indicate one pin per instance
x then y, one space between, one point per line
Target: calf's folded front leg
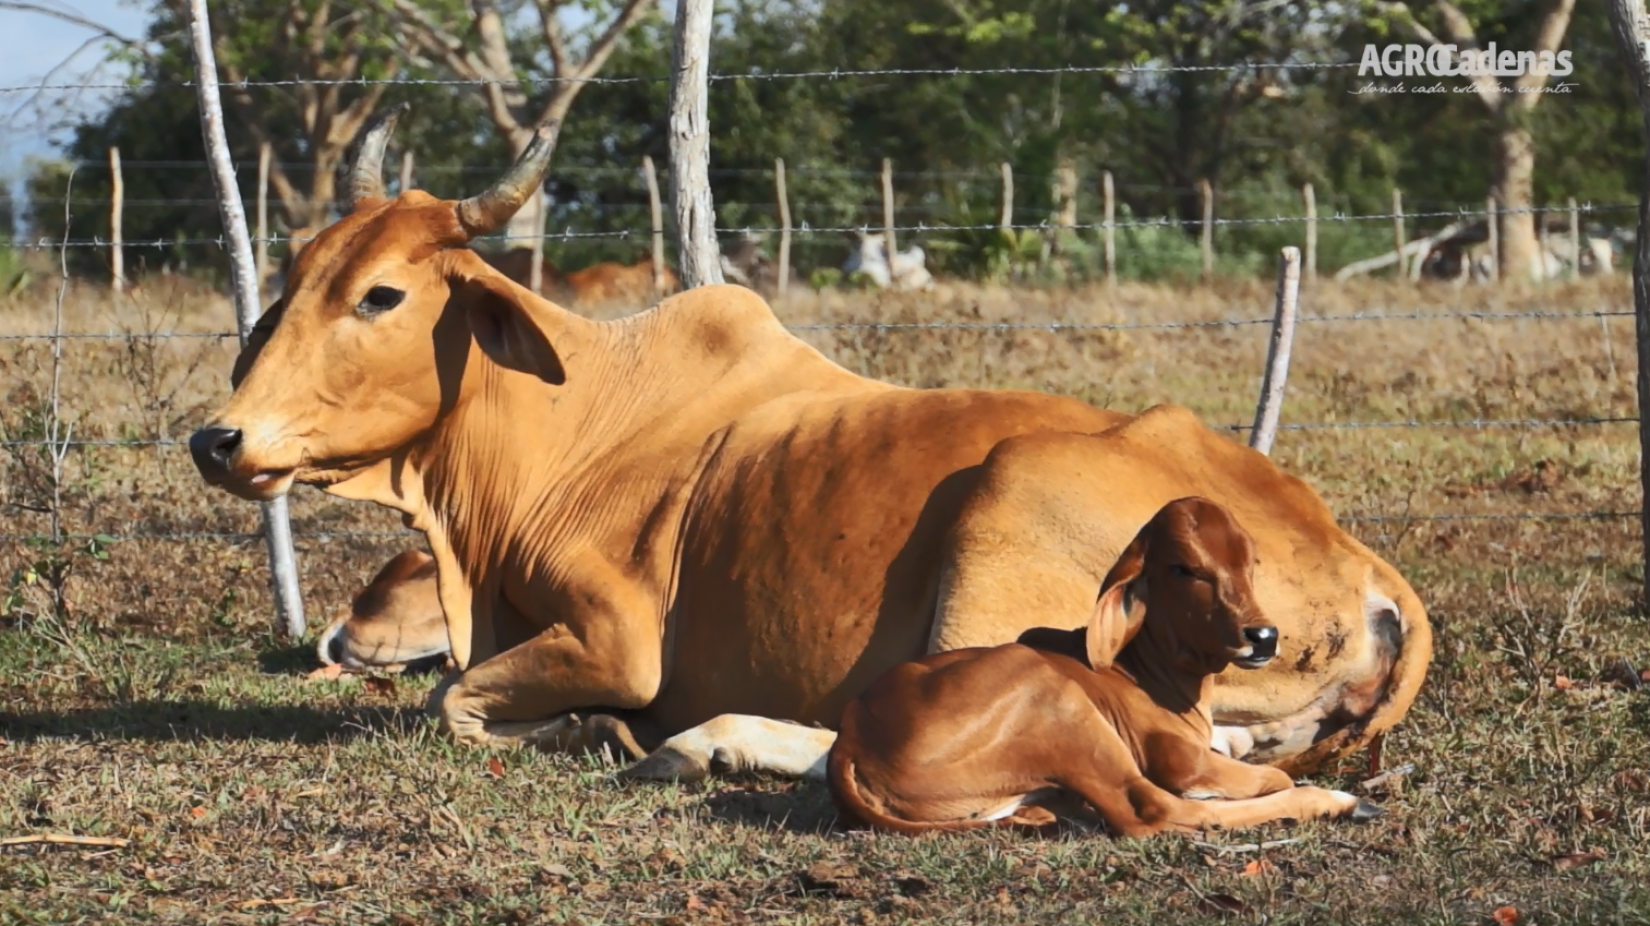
1191 769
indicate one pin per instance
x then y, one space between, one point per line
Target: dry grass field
155 705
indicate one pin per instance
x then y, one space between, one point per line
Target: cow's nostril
1263 640
214 448
335 649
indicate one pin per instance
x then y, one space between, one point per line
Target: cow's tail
1409 670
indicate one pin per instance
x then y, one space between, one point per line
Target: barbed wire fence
1460 213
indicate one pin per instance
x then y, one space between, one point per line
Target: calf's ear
506 331
1118 613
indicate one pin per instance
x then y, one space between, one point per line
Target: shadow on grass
300 659
191 721
804 808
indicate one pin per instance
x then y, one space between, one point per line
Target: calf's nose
214 448
1263 641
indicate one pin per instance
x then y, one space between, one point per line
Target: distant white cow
870 258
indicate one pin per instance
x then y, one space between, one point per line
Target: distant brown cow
606 283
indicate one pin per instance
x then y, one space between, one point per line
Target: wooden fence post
406 171
1207 245
656 215
1309 260
888 242
535 261
260 246
1401 269
1065 196
1270 407
699 257
1109 222
1492 225
283 563
1575 239
1006 222
780 193
117 201
1632 29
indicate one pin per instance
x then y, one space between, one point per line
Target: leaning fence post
260 247
283 563
697 251
784 198
1632 28
1309 260
406 171
1270 406
656 218
117 202
1207 243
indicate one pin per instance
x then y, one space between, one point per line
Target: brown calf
977 736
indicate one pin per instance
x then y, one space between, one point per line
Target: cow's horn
366 175
488 211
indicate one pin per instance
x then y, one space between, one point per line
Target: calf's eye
380 299
1182 571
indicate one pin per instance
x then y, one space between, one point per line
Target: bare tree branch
1554 25
1460 32
602 48
68 17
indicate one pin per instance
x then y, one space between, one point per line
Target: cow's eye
1184 571
380 299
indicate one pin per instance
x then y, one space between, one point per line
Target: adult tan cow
685 517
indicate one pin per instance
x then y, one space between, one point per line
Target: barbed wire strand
923 227
974 326
832 74
186 536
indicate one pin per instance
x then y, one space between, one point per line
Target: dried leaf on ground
1258 867
379 685
1221 903
1579 859
495 767
1505 916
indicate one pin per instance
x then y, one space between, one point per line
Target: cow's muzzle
214 450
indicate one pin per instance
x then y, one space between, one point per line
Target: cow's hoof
1365 812
667 764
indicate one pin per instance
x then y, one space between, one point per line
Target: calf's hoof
1364 812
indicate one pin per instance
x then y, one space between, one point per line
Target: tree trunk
1520 255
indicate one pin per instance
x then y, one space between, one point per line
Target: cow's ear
506 331
1121 608
255 341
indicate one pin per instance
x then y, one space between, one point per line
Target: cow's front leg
565 689
733 743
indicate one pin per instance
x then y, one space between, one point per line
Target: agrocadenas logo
1437 61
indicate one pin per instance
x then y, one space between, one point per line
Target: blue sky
31 45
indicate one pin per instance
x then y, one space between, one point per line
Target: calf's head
396 620
1187 582
367 346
